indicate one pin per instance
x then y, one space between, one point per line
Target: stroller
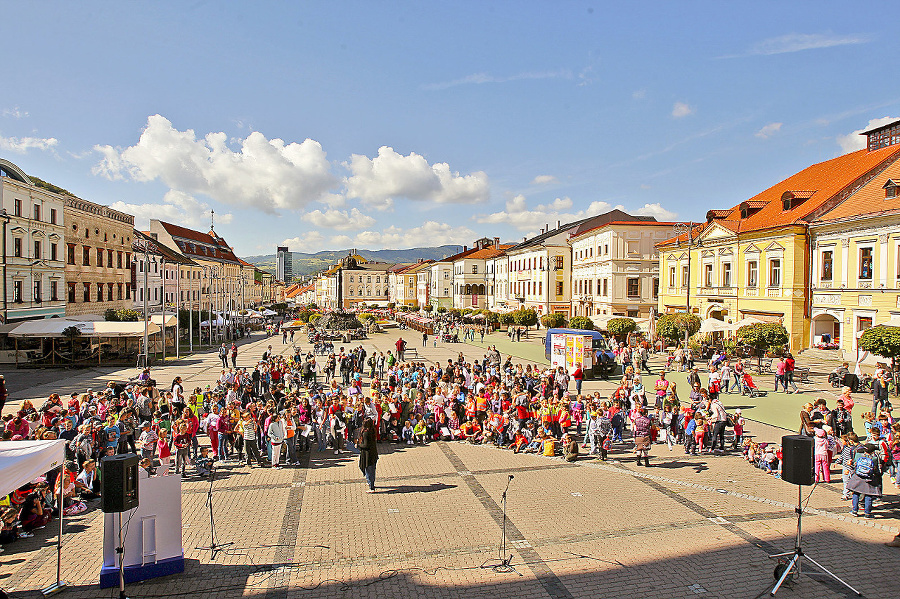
749 387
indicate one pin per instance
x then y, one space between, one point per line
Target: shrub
582 323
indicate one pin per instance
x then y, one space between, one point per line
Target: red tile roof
213 247
823 185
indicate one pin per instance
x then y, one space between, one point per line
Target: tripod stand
794 564
505 558
214 548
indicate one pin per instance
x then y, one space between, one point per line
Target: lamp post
145 245
6 219
681 229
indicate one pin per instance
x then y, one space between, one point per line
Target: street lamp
144 244
682 229
6 219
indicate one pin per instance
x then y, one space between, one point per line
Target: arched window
468 290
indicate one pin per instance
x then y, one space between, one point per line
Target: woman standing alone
368 453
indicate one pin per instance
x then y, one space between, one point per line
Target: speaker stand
213 548
120 550
794 564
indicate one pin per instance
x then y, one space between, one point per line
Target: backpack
865 466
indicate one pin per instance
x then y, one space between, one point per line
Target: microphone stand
505 558
214 548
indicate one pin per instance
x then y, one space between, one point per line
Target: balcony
751 292
717 290
773 292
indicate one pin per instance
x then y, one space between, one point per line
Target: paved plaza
690 526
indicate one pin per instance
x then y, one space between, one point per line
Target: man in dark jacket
880 393
368 452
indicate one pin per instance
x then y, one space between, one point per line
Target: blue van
604 360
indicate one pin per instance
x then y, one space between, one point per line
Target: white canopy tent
23 461
157 319
747 320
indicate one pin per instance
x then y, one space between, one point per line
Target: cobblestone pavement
689 526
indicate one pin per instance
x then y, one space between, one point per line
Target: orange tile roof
824 183
869 200
489 252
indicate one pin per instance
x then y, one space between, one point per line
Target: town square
449 300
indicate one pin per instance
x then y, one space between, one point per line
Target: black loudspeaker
797 464
119 483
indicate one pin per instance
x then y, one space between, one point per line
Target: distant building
285 269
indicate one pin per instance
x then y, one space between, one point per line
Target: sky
354 124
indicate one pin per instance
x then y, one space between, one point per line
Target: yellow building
855 275
754 259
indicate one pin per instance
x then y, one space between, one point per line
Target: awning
23 461
748 320
54 327
157 319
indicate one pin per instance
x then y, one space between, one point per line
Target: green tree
491 317
553 321
882 341
72 333
455 312
525 317
506 318
391 305
428 308
441 309
620 328
672 327
763 336
582 323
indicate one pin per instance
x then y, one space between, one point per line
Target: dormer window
891 189
792 199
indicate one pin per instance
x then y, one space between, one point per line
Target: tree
506 318
122 315
428 308
525 317
455 312
553 321
72 333
763 336
391 305
882 341
672 327
490 317
441 309
582 323
620 328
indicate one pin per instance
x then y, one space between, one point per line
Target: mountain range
307 264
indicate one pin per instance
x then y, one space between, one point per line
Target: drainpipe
5 218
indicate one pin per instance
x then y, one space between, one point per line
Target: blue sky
398 124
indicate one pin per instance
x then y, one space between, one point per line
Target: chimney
557 224
465 248
546 227
497 242
524 239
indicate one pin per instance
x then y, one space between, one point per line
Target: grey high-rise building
285 269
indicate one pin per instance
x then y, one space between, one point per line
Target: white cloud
264 174
656 210
518 215
176 207
680 109
308 242
798 42
20 145
854 141
340 219
544 179
430 233
769 130
391 175
480 78
15 113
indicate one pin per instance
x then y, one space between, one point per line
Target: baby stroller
750 388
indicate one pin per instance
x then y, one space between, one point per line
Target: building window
109 292
36 291
54 291
128 292
119 260
70 253
54 251
827 265
671 276
109 258
775 273
99 292
559 288
655 288
865 263
632 313
685 276
71 292
605 287
37 249
37 212
726 274
99 257
752 273
707 275
634 287
557 262
474 269
53 216
86 292
17 292
17 247
85 256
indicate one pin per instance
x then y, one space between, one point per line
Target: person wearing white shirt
277 435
